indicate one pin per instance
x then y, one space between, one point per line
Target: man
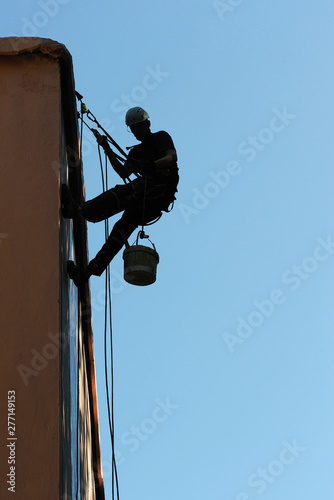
154 162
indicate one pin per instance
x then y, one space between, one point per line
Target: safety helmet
135 115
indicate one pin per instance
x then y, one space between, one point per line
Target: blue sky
223 367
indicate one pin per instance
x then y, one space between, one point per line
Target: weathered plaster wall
45 331
29 271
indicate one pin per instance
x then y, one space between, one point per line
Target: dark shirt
152 148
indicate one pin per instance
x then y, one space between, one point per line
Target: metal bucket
140 265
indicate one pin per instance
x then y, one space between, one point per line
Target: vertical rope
109 394
78 395
110 397
78 357
144 206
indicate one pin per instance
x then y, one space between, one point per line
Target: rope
78 403
78 366
91 117
110 395
142 232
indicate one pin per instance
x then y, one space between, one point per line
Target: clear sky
224 367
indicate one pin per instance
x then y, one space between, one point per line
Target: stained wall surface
38 458
29 271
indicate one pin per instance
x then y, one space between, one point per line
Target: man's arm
122 170
169 159
150 167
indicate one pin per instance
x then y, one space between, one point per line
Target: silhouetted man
154 162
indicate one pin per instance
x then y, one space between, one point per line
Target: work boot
68 206
79 276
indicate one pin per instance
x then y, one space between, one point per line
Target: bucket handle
141 234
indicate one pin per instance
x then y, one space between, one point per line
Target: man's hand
101 140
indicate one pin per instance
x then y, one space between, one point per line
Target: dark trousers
130 198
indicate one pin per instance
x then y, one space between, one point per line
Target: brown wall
29 272
34 297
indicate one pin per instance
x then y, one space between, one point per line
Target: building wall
41 327
30 100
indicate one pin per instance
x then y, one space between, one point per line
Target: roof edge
16 45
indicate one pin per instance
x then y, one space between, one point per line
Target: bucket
140 265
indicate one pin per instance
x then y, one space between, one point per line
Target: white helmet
135 115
